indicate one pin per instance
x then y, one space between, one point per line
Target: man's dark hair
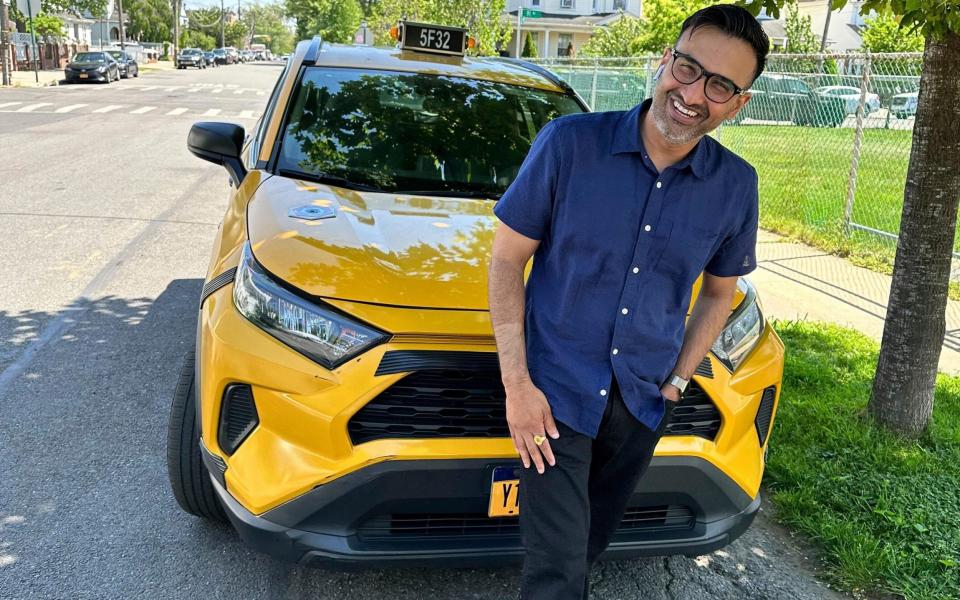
736 22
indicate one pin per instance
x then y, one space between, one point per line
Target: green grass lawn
885 510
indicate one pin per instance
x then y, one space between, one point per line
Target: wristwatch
679 382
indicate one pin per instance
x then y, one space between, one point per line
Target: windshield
190 52
411 132
116 55
89 57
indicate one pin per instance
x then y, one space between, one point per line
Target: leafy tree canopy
235 34
662 22
191 38
148 20
265 24
48 25
333 20
884 34
482 19
616 39
800 36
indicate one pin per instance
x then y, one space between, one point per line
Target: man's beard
673 132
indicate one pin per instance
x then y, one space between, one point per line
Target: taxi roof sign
435 39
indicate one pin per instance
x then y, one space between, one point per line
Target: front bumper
90 76
432 512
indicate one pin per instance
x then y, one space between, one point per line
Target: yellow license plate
505 492
83 75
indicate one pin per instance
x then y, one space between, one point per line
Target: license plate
505 492
83 75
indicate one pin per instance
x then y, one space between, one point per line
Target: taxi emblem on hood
312 212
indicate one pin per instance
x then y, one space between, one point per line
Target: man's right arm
528 413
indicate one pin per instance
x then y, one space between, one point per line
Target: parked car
777 97
904 105
224 57
232 52
343 404
128 65
191 57
851 98
211 59
92 66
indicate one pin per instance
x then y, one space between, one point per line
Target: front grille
439 525
453 403
238 417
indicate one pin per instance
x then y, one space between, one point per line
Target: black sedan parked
92 66
211 59
128 66
222 58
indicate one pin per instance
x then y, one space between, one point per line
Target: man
621 211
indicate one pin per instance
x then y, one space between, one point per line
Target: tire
189 477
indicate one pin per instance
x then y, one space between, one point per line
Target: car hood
380 248
86 65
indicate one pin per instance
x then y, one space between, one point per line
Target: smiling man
622 211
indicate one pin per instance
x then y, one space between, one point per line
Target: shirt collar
626 138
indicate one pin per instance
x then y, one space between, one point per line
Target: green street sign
533 14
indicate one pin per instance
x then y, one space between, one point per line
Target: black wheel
136 72
189 478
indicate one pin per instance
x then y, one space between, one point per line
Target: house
845 24
564 24
86 29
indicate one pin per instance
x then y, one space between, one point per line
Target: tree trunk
913 332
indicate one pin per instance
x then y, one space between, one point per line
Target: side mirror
219 143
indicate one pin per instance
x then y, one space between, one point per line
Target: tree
913 332
529 47
800 36
662 20
616 39
191 38
333 20
48 25
149 20
266 26
884 34
235 34
482 19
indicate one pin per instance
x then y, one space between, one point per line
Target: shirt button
624 311
646 228
659 185
603 392
616 351
636 269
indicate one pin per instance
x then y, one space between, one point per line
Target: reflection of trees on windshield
412 132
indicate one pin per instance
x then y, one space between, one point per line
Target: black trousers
569 514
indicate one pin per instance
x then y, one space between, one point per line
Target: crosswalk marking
150 87
177 111
108 108
6 104
70 108
216 90
195 89
212 112
261 93
142 110
247 114
238 91
33 107
172 88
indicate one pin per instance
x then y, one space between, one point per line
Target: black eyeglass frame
705 75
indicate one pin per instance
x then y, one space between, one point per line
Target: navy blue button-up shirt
620 248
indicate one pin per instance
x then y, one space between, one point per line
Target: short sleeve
737 255
527 205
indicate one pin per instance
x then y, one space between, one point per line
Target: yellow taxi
343 405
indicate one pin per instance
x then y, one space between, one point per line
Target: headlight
102 69
742 331
315 331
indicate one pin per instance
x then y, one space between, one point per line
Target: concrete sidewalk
799 282
54 76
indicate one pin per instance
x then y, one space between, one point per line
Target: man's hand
670 392
529 415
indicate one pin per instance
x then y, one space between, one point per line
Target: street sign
29 7
533 14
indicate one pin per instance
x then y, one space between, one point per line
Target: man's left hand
670 392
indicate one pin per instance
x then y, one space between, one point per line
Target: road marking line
33 107
177 111
6 104
247 114
216 90
70 108
142 110
150 87
172 88
194 89
212 112
240 91
108 108
261 93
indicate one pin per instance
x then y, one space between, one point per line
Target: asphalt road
106 224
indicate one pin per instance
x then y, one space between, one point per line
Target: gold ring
539 439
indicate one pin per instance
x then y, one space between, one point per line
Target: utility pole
519 24
223 40
122 34
826 27
5 65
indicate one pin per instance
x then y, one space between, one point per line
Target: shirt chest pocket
681 250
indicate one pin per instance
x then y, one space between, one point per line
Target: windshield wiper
332 180
451 194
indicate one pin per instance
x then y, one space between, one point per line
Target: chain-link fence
829 135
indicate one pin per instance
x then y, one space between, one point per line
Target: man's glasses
716 87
